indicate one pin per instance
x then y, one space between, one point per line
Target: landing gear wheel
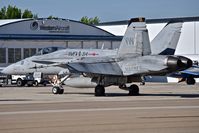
61 91
133 90
99 90
55 90
191 81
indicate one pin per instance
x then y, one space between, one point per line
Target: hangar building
24 37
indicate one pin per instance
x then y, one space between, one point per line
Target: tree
52 17
91 21
96 20
85 20
12 12
3 13
27 14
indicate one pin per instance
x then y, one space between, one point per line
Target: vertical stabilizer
167 39
136 40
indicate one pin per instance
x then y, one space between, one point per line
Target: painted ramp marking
97 109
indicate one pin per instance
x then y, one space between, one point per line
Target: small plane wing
190 73
194 71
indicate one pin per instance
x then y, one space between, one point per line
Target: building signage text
55 29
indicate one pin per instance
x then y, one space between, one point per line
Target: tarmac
160 108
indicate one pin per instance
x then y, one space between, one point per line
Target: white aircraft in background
46 60
54 62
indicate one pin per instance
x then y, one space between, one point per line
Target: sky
110 10
107 10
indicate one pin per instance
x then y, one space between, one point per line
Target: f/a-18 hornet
132 61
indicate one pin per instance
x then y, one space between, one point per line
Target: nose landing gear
57 90
57 85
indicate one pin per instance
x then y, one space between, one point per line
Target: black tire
29 84
56 90
35 83
191 81
99 90
20 82
133 90
61 91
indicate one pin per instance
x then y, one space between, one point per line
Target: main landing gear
133 90
99 90
190 81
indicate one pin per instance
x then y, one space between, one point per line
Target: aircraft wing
106 65
193 71
103 67
190 73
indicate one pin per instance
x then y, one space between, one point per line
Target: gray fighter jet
132 61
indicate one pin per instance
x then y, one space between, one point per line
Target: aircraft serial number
132 68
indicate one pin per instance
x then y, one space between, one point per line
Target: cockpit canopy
48 50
